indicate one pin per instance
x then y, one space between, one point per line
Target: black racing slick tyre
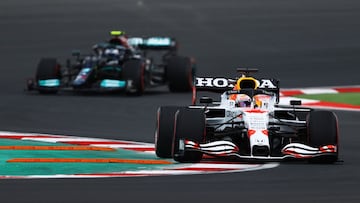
180 73
133 73
189 125
323 130
48 69
164 131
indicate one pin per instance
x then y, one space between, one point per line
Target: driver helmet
242 100
117 37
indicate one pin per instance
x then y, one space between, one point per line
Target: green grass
346 98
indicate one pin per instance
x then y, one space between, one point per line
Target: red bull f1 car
142 63
247 124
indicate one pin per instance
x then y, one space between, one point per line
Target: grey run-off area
303 43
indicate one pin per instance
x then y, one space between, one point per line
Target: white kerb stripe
319 91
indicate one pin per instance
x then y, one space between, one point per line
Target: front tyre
48 76
323 130
165 130
133 73
189 125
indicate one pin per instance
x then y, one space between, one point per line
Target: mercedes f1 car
150 62
247 124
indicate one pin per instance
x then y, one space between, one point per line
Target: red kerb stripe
291 92
347 89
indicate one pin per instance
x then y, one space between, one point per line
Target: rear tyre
180 73
164 131
190 125
48 69
133 71
323 130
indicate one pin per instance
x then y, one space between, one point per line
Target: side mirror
206 100
295 102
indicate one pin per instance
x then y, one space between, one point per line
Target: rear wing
153 43
221 85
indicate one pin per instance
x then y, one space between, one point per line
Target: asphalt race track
302 42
